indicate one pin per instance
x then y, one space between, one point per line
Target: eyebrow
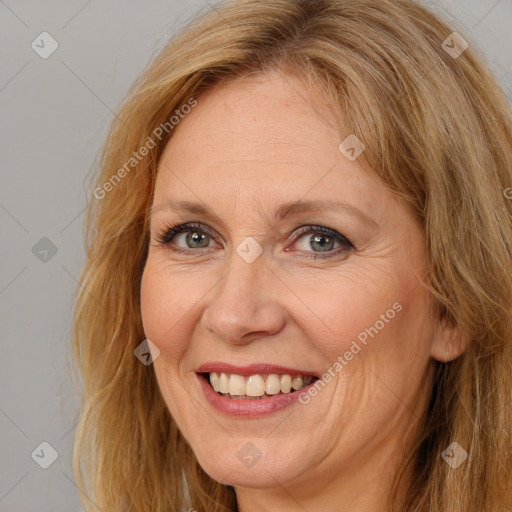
284 210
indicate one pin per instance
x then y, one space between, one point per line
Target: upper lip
251 369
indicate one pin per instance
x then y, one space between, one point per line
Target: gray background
55 113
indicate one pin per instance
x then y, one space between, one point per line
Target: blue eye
320 243
195 235
324 240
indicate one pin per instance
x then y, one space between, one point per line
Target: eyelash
168 234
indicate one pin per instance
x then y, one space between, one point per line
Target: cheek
368 329
164 304
346 309
165 301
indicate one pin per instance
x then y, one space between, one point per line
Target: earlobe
447 341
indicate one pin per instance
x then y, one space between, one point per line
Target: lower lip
249 408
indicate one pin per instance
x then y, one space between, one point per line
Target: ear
447 341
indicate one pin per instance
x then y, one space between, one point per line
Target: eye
320 241
193 235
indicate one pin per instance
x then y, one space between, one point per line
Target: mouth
254 390
258 386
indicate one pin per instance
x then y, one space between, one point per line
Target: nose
244 306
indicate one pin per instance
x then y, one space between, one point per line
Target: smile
253 390
256 387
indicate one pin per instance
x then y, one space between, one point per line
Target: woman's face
262 289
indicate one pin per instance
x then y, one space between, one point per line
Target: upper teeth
257 385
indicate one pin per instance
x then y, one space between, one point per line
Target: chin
254 463
263 474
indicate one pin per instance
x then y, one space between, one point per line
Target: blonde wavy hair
437 130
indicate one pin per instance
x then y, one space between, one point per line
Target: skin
247 147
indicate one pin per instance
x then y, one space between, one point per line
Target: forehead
274 114
267 139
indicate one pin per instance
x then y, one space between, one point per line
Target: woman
298 287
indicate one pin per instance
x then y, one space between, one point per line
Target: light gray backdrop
55 110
